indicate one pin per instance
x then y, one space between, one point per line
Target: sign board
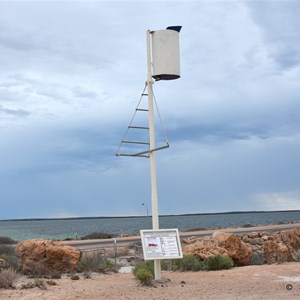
161 244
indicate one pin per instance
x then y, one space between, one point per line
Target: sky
71 76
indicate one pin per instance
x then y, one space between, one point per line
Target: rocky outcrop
204 248
253 248
45 256
221 243
236 249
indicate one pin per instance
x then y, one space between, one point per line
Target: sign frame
159 244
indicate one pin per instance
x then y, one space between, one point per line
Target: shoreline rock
40 256
253 248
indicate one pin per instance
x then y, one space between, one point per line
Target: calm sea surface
70 228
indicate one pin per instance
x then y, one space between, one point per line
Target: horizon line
143 216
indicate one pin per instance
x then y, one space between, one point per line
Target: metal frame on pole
154 198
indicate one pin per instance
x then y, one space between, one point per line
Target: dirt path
251 282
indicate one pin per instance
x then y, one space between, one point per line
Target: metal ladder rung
141 109
134 142
138 127
135 155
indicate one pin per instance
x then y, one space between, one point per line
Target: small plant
257 258
147 265
144 272
87 274
96 263
144 276
218 263
296 255
7 277
39 283
188 263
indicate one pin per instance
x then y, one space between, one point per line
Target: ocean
76 227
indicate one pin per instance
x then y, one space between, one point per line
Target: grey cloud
82 92
280 23
14 112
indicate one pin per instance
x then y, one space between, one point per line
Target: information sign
161 244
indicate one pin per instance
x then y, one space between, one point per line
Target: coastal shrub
144 272
97 235
144 276
39 283
7 278
96 263
218 263
257 258
188 263
7 252
4 240
146 265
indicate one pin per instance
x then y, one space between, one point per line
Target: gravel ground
250 282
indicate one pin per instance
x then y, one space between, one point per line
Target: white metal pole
154 198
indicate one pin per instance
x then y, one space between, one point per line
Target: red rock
45 256
236 249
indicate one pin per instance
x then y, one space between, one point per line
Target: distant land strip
143 216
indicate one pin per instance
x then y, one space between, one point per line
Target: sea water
73 228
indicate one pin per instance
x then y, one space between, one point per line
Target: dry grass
7 278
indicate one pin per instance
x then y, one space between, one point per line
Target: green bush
144 272
218 263
144 276
96 263
147 265
188 263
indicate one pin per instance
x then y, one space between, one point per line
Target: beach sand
250 282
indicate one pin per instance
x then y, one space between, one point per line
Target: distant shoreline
129 217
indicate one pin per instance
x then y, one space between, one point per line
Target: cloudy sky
71 75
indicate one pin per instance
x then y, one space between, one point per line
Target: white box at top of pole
165 54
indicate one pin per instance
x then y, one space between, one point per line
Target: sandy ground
251 282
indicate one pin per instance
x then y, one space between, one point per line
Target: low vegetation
96 263
8 266
7 278
97 235
4 240
218 263
258 258
39 283
144 271
187 263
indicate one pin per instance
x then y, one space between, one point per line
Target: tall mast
154 198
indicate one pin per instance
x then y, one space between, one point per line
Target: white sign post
161 244
163 63
165 66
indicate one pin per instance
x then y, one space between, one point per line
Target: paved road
126 241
